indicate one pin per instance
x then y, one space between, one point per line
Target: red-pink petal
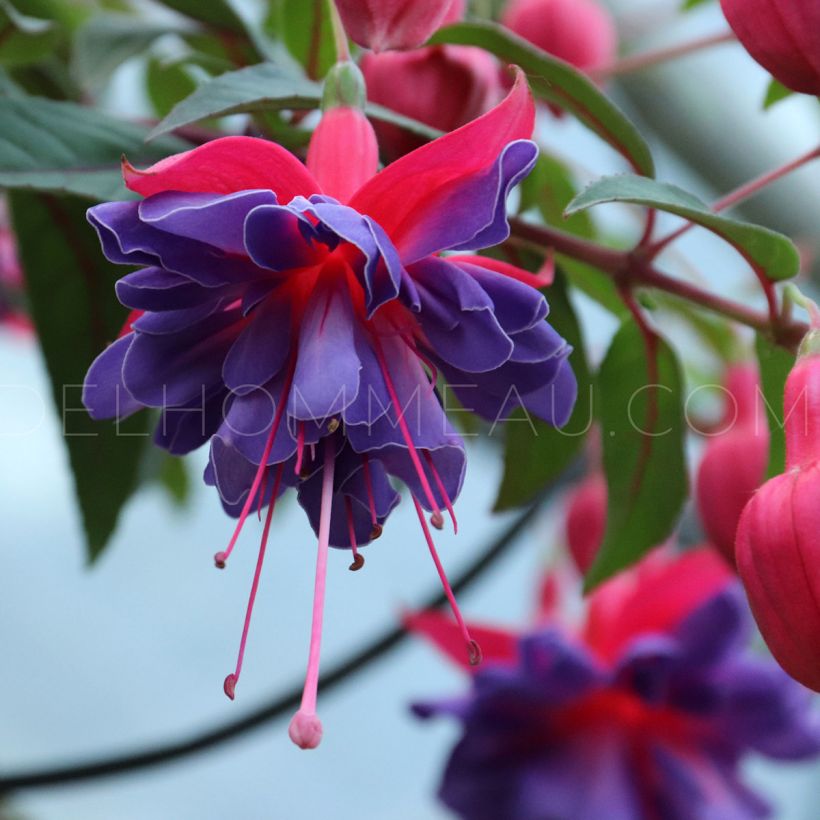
225 166
497 645
427 176
343 152
534 280
653 597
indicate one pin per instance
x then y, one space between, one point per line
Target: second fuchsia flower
645 711
783 36
778 538
298 318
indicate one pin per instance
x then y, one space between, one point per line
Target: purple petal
158 289
279 239
105 395
181 430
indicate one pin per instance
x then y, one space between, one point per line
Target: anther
474 653
230 686
333 425
358 562
437 520
219 559
376 532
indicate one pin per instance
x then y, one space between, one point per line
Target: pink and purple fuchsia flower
644 712
298 317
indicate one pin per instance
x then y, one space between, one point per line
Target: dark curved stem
278 707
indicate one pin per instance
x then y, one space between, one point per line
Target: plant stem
647 59
740 194
631 269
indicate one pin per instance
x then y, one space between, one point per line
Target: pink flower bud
396 24
580 32
783 36
586 520
444 87
734 464
778 539
778 558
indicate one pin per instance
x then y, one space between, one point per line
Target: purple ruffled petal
105 395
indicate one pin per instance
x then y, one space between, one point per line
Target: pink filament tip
437 520
230 686
305 730
219 559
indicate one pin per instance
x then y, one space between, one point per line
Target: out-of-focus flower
580 32
441 86
586 520
298 318
12 314
396 24
783 36
734 463
644 711
778 538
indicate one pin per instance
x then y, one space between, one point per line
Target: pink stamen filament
221 557
423 359
358 560
262 494
300 447
440 484
408 439
473 649
371 501
232 679
305 728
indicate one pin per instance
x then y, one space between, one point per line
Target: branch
279 706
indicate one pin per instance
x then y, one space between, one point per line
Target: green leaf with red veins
640 399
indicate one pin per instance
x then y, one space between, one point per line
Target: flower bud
382 25
586 520
443 87
778 548
580 32
782 35
734 463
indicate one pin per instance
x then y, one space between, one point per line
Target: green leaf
557 82
219 14
642 427
535 453
66 148
690 4
167 84
70 287
775 93
770 253
24 39
262 87
305 28
108 40
775 365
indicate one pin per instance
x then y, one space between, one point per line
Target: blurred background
133 651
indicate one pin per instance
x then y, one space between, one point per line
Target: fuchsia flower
298 318
586 520
783 36
11 278
734 463
644 711
778 538
441 86
580 32
396 24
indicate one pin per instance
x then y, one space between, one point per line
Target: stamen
232 679
305 728
440 484
408 440
358 560
437 521
333 425
262 494
424 360
221 557
371 501
300 447
473 649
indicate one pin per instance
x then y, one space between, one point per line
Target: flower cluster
298 317
646 710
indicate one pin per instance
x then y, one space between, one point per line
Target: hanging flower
297 319
644 711
735 459
777 548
